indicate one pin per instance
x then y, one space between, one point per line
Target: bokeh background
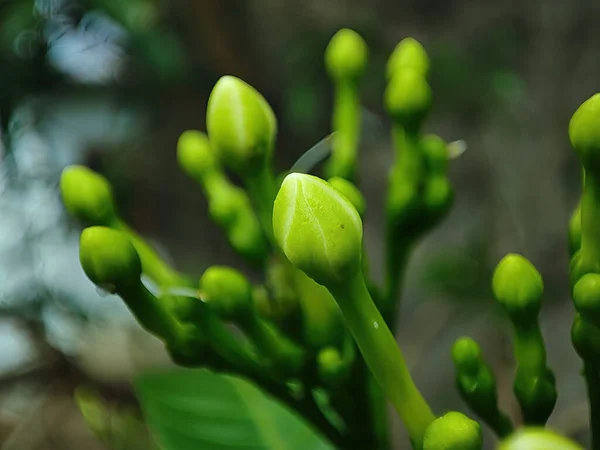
113 83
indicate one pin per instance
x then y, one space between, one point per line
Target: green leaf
198 409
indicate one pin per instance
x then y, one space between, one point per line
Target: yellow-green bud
346 55
584 132
318 229
534 438
408 98
453 431
409 53
436 154
586 296
466 355
351 192
331 366
226 291
518 286
109 259
87 195
194 154
241 125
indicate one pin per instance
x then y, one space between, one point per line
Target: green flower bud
586 339
333 371
586 296
466 355
351 192
438 198
453 431
109 259
87 195
518 286
436 154
409 53
241 125
346 55
534 438
226 291
408 98
580 265
536 392
318 229
195 155
584 132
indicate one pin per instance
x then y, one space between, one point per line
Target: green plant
288 335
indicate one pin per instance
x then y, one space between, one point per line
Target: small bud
438 197
586 339
318 229
87 195
408 98
534 438
109 259
537 395
453 431
466 355
584 132
351 192
241 125
226 291
346 55
332 369
409 53
518 286
195 155
586 296
436 154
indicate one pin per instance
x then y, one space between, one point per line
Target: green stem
590 217
152 264
383 356
346 124
262 190
592 378
397 257
529 347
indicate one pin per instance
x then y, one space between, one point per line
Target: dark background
112 83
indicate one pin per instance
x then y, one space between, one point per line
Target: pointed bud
87 195
584 132
109 259
318 229
518 286
346 55
241 125
453 431
409 53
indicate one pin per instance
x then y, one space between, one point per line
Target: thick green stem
592 378
529 347
396 263
346 124
383 356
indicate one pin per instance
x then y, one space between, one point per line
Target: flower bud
241 125
318 229
453 431
436 154
346 55
226 291
87 195
195 155
584 132
351 192
466 355
109 259
534 438
409 53
586 296
408 98
518 286
586 339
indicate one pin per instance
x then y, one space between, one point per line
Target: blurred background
112 84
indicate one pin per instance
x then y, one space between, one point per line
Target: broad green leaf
201 410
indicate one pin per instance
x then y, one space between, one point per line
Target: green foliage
296 333
199 409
